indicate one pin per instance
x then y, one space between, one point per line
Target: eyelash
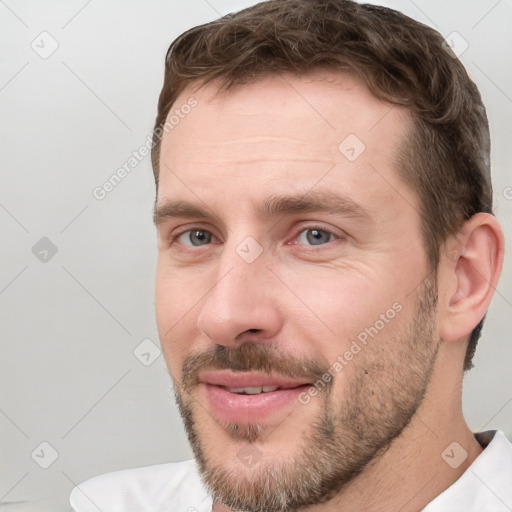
303 229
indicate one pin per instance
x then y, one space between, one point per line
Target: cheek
338 298
175 309
165 304
177 293
336 306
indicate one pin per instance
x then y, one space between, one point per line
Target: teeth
255 390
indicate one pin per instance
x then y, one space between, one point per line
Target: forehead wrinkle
256 149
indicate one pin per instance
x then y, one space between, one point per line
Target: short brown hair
445 157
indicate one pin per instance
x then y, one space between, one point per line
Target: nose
242 302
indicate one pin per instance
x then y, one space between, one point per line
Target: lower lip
234 407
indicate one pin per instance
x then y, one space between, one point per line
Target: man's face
290 257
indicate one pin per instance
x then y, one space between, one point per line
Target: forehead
328 103
283 132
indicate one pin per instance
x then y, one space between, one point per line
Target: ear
469 271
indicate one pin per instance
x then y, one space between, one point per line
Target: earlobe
471 272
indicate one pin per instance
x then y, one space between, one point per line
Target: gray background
69 325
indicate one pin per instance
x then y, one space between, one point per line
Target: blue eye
315 236
195 237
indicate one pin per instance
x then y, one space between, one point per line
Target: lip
243 408
230 379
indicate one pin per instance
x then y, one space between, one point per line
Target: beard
389 379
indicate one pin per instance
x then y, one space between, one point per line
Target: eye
195 237
315 236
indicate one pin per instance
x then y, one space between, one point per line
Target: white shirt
486 486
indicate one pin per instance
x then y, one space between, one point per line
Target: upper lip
230 379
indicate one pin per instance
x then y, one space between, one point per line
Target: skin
280 136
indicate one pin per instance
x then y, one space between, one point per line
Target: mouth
255 390
249 397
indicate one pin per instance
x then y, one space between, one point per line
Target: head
315 201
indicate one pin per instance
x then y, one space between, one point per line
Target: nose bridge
240 299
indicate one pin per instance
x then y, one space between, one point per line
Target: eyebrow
325 201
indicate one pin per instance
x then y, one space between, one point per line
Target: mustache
252 357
